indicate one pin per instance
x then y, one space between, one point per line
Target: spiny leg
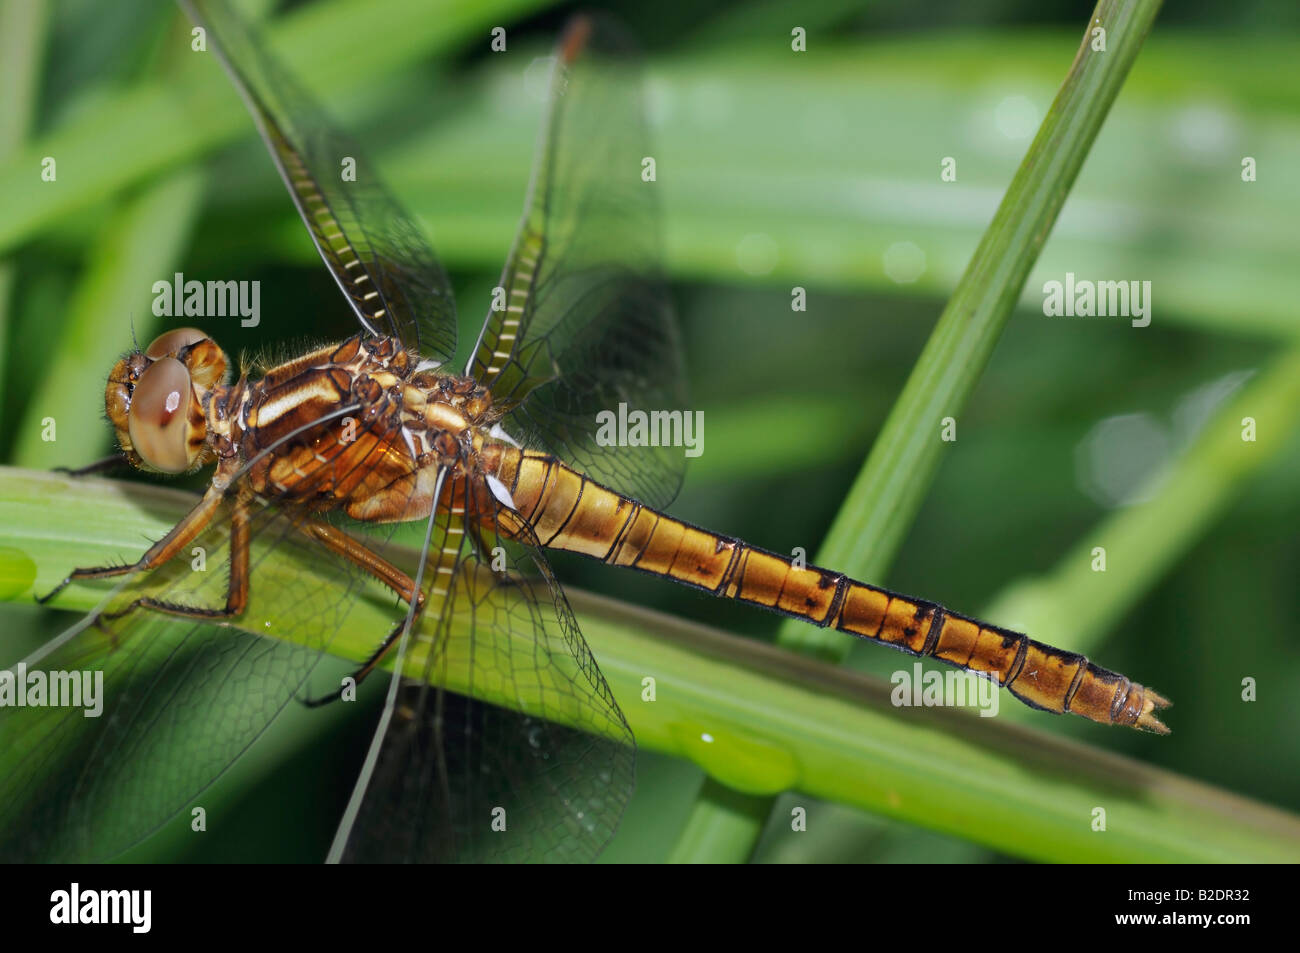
480 544
180 536
105 465
361 556
236 587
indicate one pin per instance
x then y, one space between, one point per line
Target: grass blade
775 721
885 498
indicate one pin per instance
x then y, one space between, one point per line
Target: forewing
373 248
505 742
181 700
586 322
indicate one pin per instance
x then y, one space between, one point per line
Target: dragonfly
495 706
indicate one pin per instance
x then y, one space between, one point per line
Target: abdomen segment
569 511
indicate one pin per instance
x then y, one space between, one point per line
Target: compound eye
159 419
170 344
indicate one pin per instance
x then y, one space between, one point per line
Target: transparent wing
372 247
183 699
586 322
505 742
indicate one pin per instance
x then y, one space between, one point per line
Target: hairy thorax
360 426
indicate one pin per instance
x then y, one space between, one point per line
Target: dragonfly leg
358 554
180 536
108 464
236 588
480 544
359 675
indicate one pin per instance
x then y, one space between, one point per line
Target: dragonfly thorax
305 423
442 414
360 426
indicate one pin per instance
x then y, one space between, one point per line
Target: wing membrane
502 715
587 322
374 250
463 777
181 699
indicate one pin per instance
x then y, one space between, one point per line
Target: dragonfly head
156 400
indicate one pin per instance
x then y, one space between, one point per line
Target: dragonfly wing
505 742
585 322
374 250
181 700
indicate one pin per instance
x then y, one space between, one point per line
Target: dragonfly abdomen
569 511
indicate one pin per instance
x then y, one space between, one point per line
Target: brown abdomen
568 511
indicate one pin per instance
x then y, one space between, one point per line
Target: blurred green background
818 170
